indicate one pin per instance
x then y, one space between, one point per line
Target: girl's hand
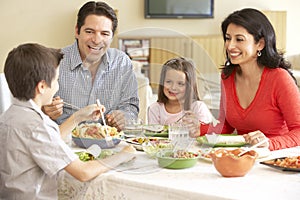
191 121
255 137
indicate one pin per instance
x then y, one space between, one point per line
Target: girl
177 95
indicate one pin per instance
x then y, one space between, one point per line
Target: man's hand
55 109
116 119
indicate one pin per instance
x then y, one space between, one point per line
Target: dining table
142 178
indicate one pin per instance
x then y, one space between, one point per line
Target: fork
71 106
108 138
181 117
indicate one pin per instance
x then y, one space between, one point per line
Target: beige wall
52 22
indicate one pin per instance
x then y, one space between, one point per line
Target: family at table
259 98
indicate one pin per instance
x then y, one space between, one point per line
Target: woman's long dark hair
258 25
187 67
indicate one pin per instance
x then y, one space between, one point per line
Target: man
32 149
91 70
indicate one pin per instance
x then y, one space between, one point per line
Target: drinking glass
179 136
133 128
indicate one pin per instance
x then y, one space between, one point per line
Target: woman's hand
191 121
255 137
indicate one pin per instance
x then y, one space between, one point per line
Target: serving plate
270 163
202 140
156 130
138 141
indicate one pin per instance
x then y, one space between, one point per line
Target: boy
33 151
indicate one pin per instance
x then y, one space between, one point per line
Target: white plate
138 145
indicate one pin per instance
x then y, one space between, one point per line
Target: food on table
176 160
85 156
141 140
154 146
183 154
288 162
205 154
95 131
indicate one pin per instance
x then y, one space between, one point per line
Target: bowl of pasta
87 134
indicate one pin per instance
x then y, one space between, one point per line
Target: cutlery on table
108 138
253 147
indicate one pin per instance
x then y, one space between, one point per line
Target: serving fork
108 138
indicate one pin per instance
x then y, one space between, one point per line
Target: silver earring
258 53
227 63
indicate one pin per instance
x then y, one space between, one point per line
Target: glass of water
179 136
133 128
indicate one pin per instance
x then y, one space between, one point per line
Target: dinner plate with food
87 134
137 142
291 163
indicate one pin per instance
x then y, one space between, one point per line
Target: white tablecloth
143 179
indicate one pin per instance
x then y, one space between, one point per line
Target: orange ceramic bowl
228 164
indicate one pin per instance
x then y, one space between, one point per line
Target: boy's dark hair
27 65
96 8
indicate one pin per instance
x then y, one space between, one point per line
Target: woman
260 98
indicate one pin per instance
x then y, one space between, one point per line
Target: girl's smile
174 85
